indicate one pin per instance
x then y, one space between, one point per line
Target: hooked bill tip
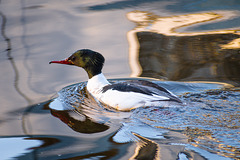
54 62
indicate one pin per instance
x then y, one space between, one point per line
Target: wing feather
143 87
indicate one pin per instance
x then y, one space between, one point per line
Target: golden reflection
198 137
160 48
146 149
147 21
235 44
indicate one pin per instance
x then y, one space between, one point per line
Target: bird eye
73 58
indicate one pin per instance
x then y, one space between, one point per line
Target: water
191 47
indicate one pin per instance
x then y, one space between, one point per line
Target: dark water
191 47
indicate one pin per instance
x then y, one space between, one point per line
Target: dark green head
91 61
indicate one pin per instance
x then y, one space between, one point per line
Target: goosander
121 96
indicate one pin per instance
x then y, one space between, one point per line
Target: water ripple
210 119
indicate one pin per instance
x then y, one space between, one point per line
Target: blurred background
174 40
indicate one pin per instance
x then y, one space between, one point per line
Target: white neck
96 83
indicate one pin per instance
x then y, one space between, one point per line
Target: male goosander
121 96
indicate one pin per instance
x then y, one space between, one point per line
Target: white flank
118 99
129 100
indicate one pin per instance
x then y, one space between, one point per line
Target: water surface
190 47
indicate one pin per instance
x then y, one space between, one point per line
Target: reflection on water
208 120
158 49
173 47
82 126
17 146
206 127
146 149
25 147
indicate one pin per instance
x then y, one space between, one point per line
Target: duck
122 96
